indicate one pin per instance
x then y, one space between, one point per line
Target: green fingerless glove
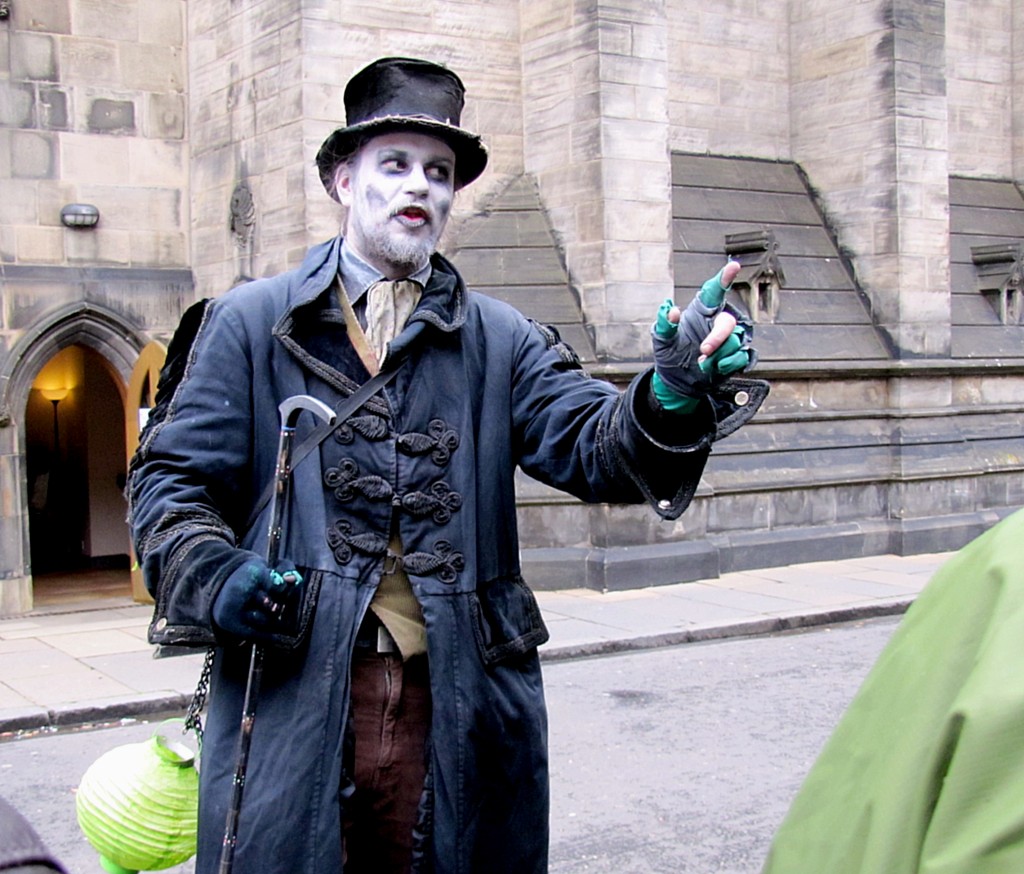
680 377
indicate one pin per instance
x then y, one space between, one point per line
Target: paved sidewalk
91 662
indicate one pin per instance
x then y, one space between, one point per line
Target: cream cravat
389 303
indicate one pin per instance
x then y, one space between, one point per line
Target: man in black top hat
402 724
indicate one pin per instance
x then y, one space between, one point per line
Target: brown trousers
391 721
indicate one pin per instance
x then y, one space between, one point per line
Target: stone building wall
729 78
193 127
266 88
93 110
1016 89
980 75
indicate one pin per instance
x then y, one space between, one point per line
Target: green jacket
925 771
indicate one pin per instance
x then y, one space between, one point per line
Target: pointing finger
721 329
712 293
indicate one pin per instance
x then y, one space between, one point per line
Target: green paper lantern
138 806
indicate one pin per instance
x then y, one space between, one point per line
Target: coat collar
442 304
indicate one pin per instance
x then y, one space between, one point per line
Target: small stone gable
986 241
509 252
819 312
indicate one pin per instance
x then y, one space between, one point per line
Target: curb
157 703
83 714
751 628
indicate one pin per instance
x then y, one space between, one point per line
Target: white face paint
398 189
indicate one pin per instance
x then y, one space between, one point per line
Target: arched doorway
102 349
75 460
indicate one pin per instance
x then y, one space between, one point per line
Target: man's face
398 189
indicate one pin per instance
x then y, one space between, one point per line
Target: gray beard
408 255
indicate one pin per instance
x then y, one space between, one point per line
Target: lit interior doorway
75 454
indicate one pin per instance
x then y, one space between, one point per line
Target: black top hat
403 94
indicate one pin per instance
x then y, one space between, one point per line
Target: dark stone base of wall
634 567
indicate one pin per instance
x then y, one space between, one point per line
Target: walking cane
290 410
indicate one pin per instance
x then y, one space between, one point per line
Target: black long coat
483 390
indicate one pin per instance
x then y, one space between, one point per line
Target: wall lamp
55 395
79 215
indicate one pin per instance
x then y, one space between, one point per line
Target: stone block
16 599
640 222
639 181
492 20
158 249
635 304
18 202
277 148
207 16
99 247
614 38
210 207
634 71
210 246
8 247
94 159
650 39
17 104
858 501
588 224
736 33
137 208
111 116
12 539
923 338
53 109
921 392
663 564
942 533
10 485
491 118
693 140
784 546
149 67
264 53
280 111
42 16
90 61
740 512
51 197
1001 390
623 260
34 57
164 118
648 265
539 19
104 18
559 523
162 22
157 163
804 507
40 245
847 394
33 155
620 101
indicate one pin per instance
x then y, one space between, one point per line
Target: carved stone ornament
243 214
760 276
5 416
1000 269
